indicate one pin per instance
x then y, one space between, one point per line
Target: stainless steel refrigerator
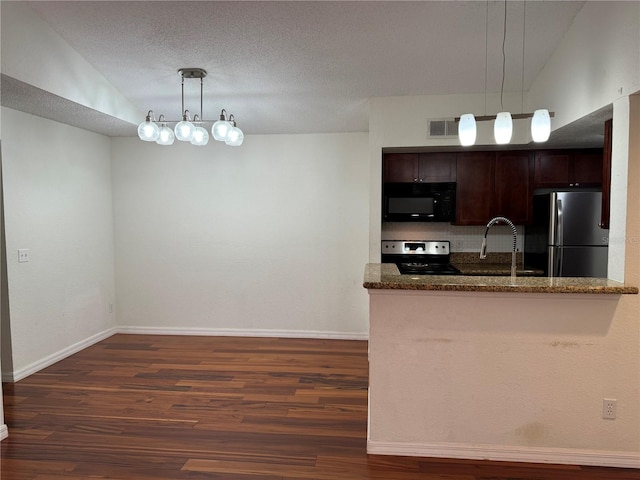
565 239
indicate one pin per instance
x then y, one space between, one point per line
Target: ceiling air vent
443 128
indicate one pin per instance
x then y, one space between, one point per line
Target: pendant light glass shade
221 127
166 136
541 126
220 130
467 130
200 137
235 137
148 130
503 128
184 129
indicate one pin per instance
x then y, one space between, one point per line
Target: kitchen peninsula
490 367
386 276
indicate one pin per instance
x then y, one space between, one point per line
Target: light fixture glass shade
200 137
184 130
467 130
540 125
235 137
166 136
220 130
503 128
148 131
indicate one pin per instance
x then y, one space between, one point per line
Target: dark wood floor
161 407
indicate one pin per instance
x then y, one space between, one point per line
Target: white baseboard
231 332
4 432
510 453
18 375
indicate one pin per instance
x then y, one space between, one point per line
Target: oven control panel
415 247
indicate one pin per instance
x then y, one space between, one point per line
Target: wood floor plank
150 407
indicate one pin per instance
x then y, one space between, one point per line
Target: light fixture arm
515 116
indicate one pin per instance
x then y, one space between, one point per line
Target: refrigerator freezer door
578 261
577 219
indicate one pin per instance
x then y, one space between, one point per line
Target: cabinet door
437 167
474 187
513 192
587 168
552 169
400 167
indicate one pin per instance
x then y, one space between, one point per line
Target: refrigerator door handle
560 239
559 223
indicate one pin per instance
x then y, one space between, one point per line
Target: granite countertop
496 269
385 276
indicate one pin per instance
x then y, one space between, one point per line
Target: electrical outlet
23 255
458 245
609 407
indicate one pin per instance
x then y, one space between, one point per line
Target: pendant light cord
486 52
504 56
524 24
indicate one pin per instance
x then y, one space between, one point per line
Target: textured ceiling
297 67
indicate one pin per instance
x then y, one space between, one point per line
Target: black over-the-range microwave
419 202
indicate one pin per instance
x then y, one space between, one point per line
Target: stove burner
427 269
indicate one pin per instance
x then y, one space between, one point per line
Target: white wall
58 205
269 238
34 53
597 62
3 427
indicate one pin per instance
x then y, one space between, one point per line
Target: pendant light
503 121
541 125
148 130
234 137
187 130
467 130
221 127
166 136
184 129
503 128
503 125
200 136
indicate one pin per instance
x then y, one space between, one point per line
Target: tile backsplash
463 239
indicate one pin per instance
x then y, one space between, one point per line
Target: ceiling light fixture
188 130
503 121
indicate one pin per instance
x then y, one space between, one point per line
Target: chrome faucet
483 248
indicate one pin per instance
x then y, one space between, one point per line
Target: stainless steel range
419 257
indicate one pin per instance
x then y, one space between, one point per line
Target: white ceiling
295 66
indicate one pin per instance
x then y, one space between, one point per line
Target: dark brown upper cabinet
568 168
474 187
491 184
513 194
419 167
